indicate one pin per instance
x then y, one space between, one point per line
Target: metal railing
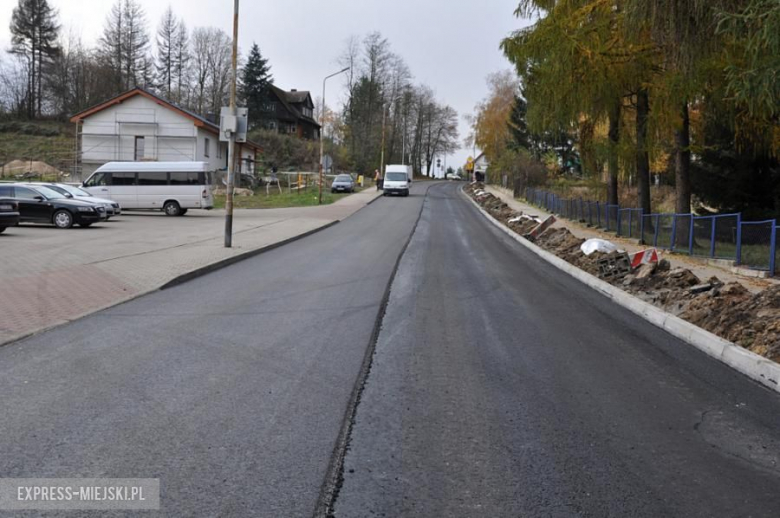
723 236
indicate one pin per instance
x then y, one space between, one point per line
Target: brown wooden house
290 113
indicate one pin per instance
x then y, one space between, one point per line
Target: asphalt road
499 387
231 389
502 387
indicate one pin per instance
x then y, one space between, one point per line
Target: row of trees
619 88
386 112
50 74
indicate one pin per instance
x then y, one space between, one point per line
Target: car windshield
48 193
396 177
343 178
75 191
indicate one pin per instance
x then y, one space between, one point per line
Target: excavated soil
727 310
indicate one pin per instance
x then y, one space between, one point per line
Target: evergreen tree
254 82
165 66
34 32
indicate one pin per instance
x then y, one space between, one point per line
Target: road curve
231 389
503 387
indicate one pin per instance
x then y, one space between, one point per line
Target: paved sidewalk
698 266
50 276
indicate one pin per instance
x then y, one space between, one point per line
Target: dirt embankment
727 310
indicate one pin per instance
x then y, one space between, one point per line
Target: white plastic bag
597 245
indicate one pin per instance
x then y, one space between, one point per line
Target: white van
398 180
172 187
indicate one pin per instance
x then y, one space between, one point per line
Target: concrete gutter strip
748 363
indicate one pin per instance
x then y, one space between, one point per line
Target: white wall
109 135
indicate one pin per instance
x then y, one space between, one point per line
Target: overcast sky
451 45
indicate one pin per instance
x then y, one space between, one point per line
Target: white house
140 126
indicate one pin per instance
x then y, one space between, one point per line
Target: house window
139 149
206 146
307 112
268 107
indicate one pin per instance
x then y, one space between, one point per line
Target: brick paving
50 276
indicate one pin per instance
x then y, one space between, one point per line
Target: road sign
470 164
327 162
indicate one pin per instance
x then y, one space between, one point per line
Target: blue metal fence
724 236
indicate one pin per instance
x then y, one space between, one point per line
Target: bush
27 128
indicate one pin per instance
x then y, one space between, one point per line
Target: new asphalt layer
498 386
502 387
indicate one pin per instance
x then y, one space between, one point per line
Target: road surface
503 387
499 387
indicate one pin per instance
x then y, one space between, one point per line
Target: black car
38 204
9 213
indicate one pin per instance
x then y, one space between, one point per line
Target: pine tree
164 66
34 32
255 81
125 43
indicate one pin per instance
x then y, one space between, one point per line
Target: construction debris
727 310
597 245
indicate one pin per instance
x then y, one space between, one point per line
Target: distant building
480 167
140 126
290 113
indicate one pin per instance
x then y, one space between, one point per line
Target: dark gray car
343 183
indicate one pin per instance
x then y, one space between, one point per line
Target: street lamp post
322 129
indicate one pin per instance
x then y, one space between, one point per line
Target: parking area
50 276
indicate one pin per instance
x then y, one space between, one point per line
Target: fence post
690 237
712 238
655 234
772 248
674 232
739 239
642 228
630 221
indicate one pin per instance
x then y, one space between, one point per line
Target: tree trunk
612 161
642 156
682 164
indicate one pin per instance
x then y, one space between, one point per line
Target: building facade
140 126
290 113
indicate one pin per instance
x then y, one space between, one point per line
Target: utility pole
382 160
322 129
232 142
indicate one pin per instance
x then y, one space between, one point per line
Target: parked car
77 193
9 213
39 204
343 183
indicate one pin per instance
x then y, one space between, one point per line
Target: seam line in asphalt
334 476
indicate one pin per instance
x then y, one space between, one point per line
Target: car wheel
62 219
183 212
2 229
333 191
171 208
86 225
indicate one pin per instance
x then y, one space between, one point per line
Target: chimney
293 90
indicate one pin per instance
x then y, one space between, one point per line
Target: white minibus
172 187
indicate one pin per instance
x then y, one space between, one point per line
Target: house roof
198 121
290 98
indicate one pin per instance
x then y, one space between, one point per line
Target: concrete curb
174 282
748 363
199 272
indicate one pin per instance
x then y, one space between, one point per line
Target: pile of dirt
732 312
727 310
15 167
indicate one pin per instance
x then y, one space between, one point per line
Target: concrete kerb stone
746 362
173 282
